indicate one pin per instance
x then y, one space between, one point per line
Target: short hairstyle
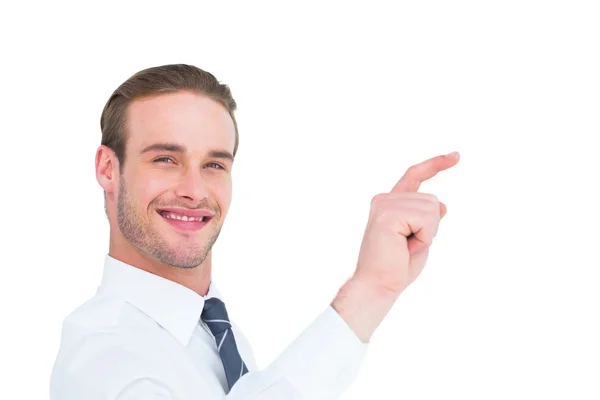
155 81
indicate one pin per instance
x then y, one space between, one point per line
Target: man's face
169 164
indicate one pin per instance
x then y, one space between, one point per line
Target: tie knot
215 315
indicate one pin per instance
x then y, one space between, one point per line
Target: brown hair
155 81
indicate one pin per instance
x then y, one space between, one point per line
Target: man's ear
107 167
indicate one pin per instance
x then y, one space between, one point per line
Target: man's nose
191 185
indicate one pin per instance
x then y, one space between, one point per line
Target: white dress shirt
141 337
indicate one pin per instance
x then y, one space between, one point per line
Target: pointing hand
400 229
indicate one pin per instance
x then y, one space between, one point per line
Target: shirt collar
173 306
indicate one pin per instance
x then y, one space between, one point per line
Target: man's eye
163 159
218 165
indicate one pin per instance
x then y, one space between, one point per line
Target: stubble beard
138 230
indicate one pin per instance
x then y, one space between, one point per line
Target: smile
187 220
181 217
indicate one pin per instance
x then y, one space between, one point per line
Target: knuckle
432 201
431 197
435 208
382 211
377 198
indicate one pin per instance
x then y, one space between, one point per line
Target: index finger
418 173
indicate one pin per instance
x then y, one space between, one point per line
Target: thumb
414 244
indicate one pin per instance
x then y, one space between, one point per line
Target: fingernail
454 154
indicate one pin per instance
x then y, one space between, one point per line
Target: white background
336 101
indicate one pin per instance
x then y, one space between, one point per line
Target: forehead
193 120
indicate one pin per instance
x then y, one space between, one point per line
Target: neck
196 279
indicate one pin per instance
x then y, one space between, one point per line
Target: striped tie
215 316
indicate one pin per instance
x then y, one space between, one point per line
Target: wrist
363 304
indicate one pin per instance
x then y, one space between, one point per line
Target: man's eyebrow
177 148
172 147
221 154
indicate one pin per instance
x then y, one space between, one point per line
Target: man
157 327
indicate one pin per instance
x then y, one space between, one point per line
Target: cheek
223 194
148 189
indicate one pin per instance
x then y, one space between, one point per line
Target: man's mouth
185 219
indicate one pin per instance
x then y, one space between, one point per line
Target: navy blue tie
215 316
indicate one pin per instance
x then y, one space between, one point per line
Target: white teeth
182 217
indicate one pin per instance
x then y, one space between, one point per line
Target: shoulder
119 364
98 366
108 349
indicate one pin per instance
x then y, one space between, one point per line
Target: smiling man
173 189
169 138
157 327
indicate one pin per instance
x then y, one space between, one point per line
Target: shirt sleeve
320 364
